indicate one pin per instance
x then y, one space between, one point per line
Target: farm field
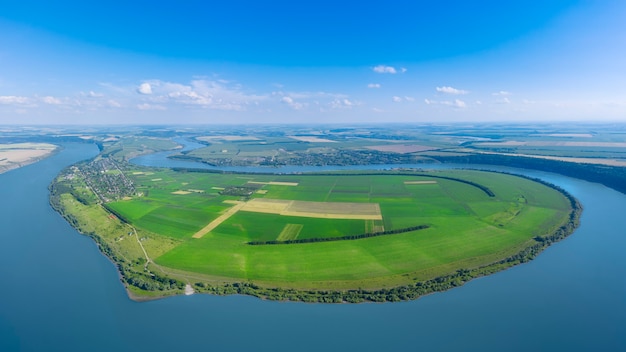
302 224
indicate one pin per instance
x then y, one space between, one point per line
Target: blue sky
71 62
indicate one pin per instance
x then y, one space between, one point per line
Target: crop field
463 226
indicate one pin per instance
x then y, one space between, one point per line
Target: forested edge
610 176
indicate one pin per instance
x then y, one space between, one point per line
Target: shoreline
17 155
175 284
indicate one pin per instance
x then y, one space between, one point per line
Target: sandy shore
17 155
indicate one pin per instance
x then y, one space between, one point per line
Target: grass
467 227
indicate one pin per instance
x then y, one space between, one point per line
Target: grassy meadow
467 227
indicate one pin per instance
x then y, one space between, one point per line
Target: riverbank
145 278
16 155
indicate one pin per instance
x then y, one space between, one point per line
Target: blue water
58 293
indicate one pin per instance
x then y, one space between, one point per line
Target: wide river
58 293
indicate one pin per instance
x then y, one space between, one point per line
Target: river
60 294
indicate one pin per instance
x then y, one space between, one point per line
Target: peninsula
15 155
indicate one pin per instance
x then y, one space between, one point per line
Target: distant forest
610 176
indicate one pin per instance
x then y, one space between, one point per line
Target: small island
15 155
334 237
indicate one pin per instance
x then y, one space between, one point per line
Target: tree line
341 238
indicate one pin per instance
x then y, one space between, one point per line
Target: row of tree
341 238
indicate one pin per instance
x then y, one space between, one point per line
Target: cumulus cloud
373 85
501 93
220 94
146 106
409 98
385 69
51 100
451 90
457 103
396 99
12 99
292 103
145 88
504 100
342 104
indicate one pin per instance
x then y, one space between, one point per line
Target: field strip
289 232
332 215
323 210
269 206
419 182
274 183
181 192
215 223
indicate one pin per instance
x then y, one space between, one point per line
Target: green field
466 227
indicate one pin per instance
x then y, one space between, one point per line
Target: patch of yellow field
181 192
138 173
270 206
261 191
15 155
218 188
217 222
156 179
324 210
419 182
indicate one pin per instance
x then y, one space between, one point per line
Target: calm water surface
58 293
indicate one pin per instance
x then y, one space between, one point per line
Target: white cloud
450 90
342 104
145 88
504 100
373 85
114 104
396 99
501 93
459 103
385 69
146 106
293 104
409 98
12 99
51 100
220 95
377 110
